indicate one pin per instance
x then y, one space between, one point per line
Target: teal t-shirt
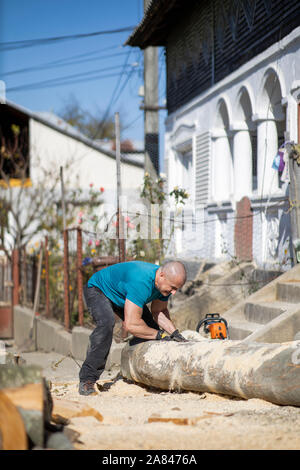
133 280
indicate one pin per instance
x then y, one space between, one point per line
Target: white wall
206 113
52 149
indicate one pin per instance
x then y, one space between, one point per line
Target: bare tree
94 126
26 208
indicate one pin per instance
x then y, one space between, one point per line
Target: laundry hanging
281 163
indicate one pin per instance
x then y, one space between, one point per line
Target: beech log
12 429
27 390
255 370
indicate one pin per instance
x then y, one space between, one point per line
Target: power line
96 77
21 44
107 111
133 121
61 64
62 80
76 56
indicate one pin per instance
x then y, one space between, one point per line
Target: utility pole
151 108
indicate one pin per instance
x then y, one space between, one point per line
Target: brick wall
212 38
243 230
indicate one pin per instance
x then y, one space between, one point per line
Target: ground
136 418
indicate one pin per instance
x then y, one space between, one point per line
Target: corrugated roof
152 30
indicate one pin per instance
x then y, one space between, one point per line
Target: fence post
24 274
79 276
15 276
66 281
47 278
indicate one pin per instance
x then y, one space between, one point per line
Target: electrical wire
21 44
133 121
111 102
62 64
68 79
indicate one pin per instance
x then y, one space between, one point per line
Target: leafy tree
154 193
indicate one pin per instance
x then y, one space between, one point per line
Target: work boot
87 388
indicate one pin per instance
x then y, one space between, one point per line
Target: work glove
163 336
176 336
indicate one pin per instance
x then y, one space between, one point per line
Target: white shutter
202 168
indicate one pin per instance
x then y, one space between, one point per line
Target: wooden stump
26 389
12 429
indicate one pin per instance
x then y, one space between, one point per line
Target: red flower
102 189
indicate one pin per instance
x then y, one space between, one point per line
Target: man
124 289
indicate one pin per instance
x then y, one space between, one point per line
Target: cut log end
12 429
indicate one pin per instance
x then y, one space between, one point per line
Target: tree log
25 387
256 370
12 429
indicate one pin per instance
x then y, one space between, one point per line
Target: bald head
170 277
174 269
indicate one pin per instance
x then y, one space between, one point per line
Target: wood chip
186 421
66 410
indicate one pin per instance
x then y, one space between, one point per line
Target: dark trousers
102 310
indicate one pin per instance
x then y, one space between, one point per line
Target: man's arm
133 321
160 313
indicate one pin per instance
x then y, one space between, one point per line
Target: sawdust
136 417
210 421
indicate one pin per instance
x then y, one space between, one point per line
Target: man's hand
163 336
176 336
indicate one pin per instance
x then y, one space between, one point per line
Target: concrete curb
51 336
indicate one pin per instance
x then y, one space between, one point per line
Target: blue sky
89 57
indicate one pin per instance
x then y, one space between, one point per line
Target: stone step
263 312
240 329
288 291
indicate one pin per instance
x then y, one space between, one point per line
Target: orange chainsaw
215 325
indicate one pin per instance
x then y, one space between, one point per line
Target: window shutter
202 168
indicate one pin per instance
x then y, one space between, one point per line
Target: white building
52 143
233 93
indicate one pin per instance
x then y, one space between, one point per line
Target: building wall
214 38
51 149
257 101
